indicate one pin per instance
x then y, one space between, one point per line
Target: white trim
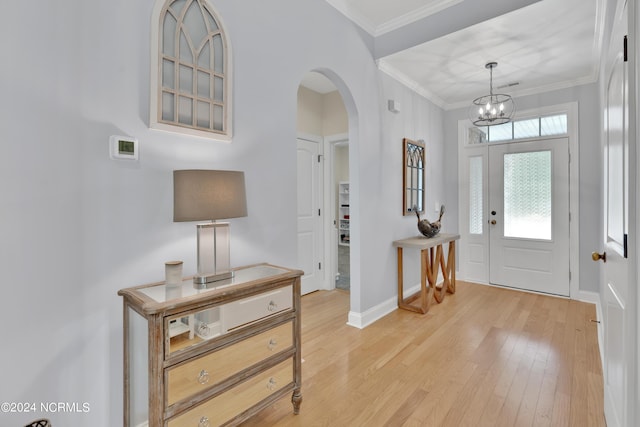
422 12
154 70
352 14
571 109
609 406
402 78
396 74
593 78
594 298
339 137
309 137
590 297
331 233
374 30
362 320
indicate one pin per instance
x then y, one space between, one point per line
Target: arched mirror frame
413 164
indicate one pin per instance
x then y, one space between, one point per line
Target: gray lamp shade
200 195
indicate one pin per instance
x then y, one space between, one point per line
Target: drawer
226 406
250 309
196 375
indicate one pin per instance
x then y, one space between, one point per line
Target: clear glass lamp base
213 253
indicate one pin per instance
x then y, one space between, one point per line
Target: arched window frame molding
155 73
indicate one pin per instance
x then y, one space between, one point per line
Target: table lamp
200 195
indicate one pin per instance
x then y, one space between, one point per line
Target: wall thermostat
123 147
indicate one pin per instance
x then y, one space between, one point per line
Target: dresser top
156 297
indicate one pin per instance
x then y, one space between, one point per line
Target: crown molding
413 16
359 19
392 24
592 78
409 82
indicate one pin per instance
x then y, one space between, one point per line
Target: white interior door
529 215
618 342
310 236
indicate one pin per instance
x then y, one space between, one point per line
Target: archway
327 118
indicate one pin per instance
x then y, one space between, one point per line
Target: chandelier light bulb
481 111
502 107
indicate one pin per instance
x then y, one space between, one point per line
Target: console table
431 257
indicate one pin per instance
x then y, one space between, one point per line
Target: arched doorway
325 126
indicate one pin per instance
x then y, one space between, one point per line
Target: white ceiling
548 45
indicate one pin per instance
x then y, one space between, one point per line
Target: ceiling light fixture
492 109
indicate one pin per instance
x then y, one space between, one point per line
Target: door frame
331 233
466 150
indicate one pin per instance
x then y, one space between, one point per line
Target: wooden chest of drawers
216 356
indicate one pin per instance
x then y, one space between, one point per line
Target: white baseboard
589 296
362 320
609 405
594 298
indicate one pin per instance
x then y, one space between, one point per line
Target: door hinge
319 266
625 49
569 275
624 242
319 157
319 212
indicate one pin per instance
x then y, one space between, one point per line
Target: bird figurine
429 229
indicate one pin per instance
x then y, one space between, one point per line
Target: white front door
529 215
618 341
310 236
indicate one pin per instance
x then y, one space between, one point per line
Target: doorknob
597 257
493 222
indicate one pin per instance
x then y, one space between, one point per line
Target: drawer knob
204 422
272 344
203 378
272 306
271 384
203 329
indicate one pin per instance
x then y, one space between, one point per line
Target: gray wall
76 226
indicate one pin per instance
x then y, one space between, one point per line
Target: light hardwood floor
484 357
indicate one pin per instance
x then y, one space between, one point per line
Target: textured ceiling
547 45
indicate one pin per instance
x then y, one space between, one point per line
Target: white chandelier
492 109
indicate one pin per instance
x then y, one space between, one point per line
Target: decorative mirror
412 177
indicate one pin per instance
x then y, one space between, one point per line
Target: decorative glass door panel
527 195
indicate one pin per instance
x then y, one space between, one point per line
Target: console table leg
451 267
400 279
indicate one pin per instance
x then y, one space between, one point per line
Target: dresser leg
296 399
